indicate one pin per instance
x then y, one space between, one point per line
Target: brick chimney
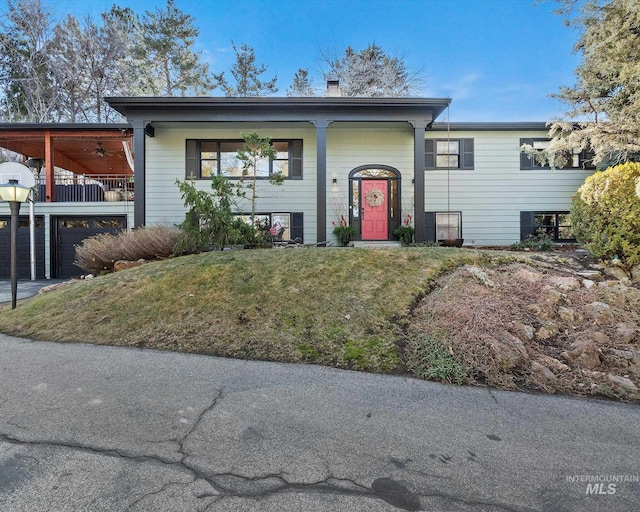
333 88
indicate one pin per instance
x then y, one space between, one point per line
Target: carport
84 187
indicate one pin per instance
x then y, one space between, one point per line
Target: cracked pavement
101 428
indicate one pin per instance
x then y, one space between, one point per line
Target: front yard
378 310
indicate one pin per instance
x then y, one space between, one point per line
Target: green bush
605 214
98 254
542 242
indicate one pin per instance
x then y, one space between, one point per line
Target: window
449 154
575 160
286 226
555 225
443 226
207 158
448 226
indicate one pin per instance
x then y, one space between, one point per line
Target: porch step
376 244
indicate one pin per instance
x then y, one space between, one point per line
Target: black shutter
526 161
295 156
526 225
467 153
192 160
429 154
586 159
430 226
297 226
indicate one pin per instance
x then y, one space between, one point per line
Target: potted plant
405 231
343 231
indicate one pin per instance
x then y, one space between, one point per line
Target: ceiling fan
100 152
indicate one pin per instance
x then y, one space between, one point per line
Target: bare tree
371 72
25 74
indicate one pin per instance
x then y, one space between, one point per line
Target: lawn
346 308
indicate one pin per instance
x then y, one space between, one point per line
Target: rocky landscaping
562 325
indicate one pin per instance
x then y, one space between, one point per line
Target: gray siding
492 195
165 164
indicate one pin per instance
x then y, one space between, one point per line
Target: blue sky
497 59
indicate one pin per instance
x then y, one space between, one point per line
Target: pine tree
246 74
167 44
301 85
604 103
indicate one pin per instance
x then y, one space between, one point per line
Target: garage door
71 231
23 259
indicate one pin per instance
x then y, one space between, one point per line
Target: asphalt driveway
114 429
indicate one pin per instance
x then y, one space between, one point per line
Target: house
373 160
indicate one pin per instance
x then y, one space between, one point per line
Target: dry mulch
539 325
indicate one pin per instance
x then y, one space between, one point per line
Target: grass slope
336 307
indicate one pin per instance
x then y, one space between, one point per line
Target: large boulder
584 354
507 349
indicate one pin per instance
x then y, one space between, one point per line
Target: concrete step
376 244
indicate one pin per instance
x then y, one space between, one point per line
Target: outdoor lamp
14 194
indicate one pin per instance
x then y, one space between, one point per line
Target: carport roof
74 145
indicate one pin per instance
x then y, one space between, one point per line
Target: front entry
374 202
375 210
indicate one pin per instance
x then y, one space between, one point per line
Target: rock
593 375
480 275
525 274
538 311
126 265
565 283
622 354
635 273
617 272
546 331
554 296
623 382
508 350
599 338
553 363
624 333
592 275
523 331
600 312
610 284
583 353
568 315
541 370
588 283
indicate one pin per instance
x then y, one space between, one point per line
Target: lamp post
14 194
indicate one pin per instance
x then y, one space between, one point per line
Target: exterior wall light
15 194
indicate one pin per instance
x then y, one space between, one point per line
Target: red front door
375 210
